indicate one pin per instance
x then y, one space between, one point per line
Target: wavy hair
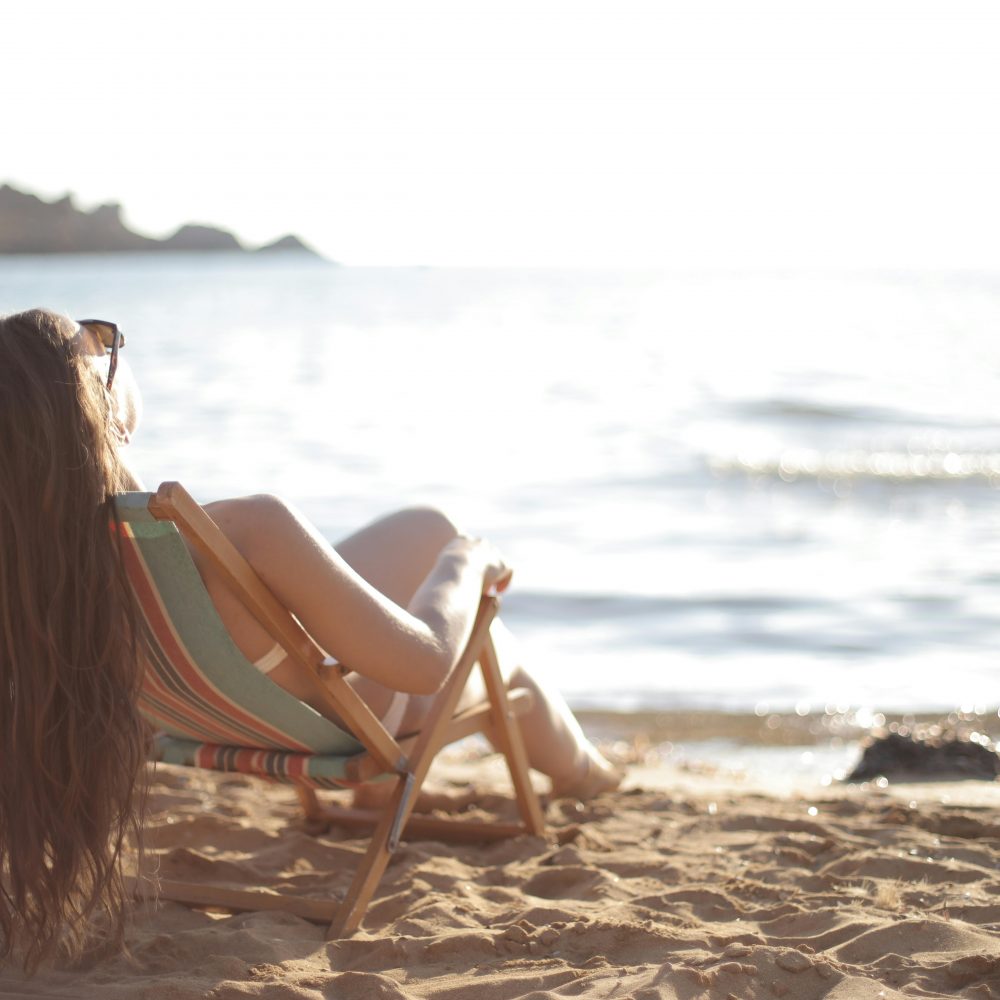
72 742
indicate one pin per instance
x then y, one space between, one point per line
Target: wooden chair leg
408 786
507 733
352 910
310 803
314 814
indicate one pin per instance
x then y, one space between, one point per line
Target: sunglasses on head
111 337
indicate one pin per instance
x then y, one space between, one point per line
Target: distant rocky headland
32 226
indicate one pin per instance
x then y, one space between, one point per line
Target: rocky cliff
30 225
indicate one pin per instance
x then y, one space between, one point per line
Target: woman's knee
396 552
429 526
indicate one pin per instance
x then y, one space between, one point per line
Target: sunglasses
111 337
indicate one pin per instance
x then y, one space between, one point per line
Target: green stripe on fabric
194 616
134 507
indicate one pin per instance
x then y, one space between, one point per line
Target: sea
738 492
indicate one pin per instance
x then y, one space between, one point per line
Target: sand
680 886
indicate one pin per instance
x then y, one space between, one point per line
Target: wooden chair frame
408 759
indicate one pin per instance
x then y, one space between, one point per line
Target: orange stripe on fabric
167 707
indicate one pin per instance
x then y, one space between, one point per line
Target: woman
395 602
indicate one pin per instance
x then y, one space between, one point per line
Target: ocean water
736 491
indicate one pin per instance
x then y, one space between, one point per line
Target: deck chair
214 709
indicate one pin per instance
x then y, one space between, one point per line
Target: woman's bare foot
595 775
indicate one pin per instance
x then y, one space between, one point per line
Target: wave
794 410
556 606
859 464
783 408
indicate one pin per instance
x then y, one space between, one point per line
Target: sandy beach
680 885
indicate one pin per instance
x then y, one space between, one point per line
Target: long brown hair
72 742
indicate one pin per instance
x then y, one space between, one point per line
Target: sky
700 134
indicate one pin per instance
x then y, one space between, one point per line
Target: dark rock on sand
913 757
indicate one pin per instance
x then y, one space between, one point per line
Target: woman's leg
395 554
554 742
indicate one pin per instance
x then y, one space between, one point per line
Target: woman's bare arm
411 649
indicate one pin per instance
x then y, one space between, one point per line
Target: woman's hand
496 573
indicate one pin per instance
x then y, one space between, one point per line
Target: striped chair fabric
212 708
